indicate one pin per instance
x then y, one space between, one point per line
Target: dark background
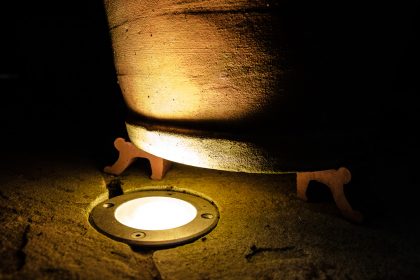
59 92
58 84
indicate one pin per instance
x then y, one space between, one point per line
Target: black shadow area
58 84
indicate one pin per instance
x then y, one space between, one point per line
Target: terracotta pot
217 84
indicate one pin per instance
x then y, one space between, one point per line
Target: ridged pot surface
200 61
197 74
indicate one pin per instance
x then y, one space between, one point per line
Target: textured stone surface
192 60
264 232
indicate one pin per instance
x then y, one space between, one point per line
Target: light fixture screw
138 235
207 216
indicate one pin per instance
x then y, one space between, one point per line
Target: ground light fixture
155 217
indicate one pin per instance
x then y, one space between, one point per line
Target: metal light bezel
102 218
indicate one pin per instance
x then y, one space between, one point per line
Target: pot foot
334 180
128 153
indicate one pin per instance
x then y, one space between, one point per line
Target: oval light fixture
155 213
155 217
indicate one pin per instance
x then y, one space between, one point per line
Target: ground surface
264 231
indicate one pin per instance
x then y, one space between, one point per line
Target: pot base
272 153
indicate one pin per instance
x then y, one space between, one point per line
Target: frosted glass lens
155 213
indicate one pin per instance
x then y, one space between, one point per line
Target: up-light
155 217
155 213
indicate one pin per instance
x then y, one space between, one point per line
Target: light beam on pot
218 84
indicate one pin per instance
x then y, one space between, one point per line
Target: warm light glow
155 213
179 69
207 152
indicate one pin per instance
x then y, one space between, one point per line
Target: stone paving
264 232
